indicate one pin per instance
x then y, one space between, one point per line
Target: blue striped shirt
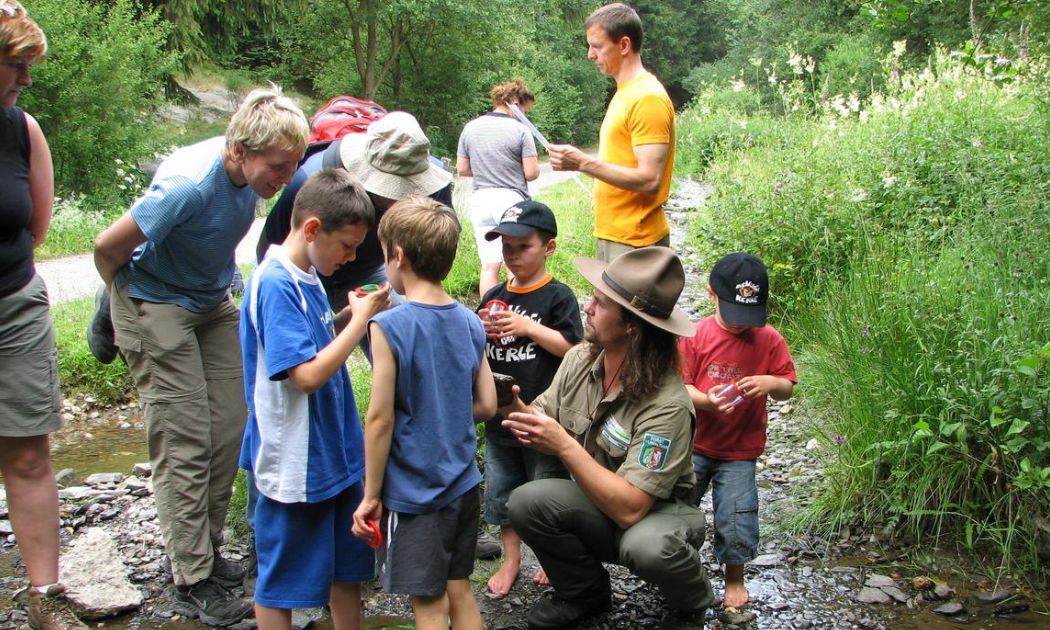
193 217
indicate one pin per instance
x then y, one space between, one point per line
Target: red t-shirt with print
716 356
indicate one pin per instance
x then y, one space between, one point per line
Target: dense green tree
438 59
203 31
103 75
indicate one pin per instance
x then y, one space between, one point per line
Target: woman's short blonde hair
266 120
19 35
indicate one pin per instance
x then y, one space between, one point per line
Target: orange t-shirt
640 113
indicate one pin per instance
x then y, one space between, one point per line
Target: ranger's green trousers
572 538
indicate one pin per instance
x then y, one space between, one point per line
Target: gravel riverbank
857 579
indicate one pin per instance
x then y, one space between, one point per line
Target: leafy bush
104 71
910 260
73 228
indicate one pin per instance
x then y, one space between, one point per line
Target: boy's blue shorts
734 496
508 465
304 547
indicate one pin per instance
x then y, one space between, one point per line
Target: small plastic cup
495 306
731 393
365 289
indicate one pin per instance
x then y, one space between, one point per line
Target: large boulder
95 578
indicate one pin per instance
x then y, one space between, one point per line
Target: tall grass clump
78 369
909 246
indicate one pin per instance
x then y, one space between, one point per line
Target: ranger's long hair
652 353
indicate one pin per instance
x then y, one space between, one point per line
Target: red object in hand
731 393
365 289
377 535
495 306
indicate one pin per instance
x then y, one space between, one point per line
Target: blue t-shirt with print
301 447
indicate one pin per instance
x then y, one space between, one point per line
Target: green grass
909 259
79 371
572 209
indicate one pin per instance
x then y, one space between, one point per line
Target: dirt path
75 277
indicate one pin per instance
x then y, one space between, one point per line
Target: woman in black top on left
29 394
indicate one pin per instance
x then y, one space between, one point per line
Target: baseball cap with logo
522 218
741 283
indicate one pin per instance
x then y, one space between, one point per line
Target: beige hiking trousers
187 369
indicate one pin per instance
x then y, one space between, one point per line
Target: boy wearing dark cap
729 368
526 340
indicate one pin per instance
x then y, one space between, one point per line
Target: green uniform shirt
647 442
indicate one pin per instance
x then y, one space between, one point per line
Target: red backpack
342 115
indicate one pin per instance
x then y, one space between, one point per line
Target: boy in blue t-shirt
430 384
526 340
303 441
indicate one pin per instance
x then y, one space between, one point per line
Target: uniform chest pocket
574 421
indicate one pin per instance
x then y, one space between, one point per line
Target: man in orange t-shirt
636 143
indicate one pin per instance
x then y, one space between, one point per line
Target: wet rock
943 591
103 479
993 597
306 618
878 581
870 595
735 617
66 478
894 592
95 576
76 493
1013 607
950 609
766 560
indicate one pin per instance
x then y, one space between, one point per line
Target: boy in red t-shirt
734 347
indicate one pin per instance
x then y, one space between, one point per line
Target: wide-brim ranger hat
646 281
523 218
741 284
392 158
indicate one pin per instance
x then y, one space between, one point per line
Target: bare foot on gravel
503 580
736 596
541 578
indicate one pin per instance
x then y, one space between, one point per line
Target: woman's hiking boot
100 330
49 611
488 547
210 602
227 572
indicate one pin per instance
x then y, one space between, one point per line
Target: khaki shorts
30 399
605 250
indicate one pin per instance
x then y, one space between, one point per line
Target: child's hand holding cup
727 396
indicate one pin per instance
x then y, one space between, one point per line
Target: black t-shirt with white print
553 305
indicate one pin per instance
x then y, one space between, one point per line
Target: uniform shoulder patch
653 454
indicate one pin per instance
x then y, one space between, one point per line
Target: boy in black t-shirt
526 340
